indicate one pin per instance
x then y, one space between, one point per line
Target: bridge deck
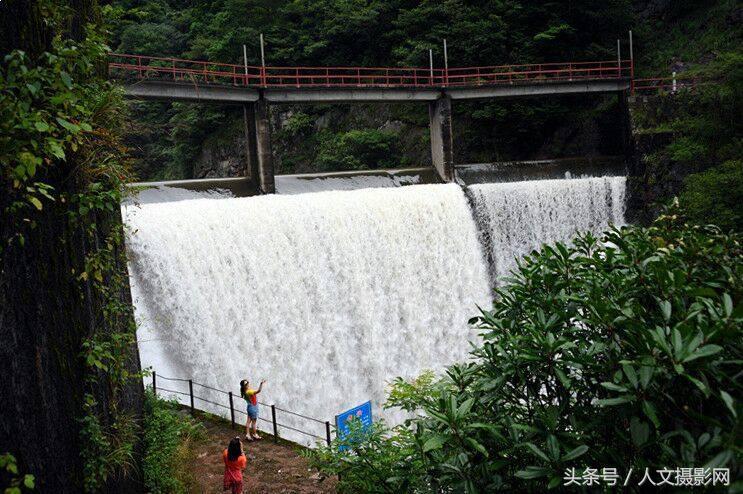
165 90
188 80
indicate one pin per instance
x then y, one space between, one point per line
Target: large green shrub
623 352
358 150
168 439
717 195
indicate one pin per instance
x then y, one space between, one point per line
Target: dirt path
272 468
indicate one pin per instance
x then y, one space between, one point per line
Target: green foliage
710 25
109 449
16 483
43 116
716 194
168 439
62 164
623 351
705 131
376 461
298 124
358 150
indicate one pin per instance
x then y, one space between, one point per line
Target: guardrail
142 67
672 84
275 424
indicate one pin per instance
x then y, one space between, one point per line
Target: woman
251 397
234 464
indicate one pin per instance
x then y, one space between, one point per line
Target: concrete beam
165 90
538 89
442 144
175 91
263 145
349 95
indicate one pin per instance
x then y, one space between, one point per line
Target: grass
170 438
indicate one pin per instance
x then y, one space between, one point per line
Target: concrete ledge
538 89
348 95
239 186
165 90
518 171
176 91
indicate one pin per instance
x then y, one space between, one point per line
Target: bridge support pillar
442 145
251 151
263 153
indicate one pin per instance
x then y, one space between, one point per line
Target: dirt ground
272 468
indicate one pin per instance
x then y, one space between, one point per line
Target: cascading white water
518 217
330 295
326 295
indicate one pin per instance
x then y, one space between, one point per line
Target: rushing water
518 217
326 295
330 295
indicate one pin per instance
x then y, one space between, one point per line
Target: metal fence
139 67
231 407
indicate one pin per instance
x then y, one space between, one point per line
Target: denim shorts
252 411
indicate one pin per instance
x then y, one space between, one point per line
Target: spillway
330 295
325 295
517 217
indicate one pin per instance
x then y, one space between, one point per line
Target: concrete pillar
263 146
442 145
251 151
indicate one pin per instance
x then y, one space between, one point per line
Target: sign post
343 421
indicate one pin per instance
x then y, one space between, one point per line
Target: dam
331 294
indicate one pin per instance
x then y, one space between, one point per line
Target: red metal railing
666 84
145 67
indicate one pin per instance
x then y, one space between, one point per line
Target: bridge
257 87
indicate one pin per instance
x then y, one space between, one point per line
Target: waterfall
326 295
330 295
517 217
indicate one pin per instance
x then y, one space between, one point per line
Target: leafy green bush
383 461
358 150
716 195
168 439
11 481
621 352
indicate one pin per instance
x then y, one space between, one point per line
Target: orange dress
233 473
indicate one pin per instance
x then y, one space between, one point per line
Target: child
234 464
250 395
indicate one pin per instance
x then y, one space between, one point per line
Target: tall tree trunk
47 312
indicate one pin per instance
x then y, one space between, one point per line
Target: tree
71 388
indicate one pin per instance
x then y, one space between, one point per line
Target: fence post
190 391
674 82
327 432
154 383
275 426
232 411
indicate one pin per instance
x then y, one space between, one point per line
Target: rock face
223 158
654 177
